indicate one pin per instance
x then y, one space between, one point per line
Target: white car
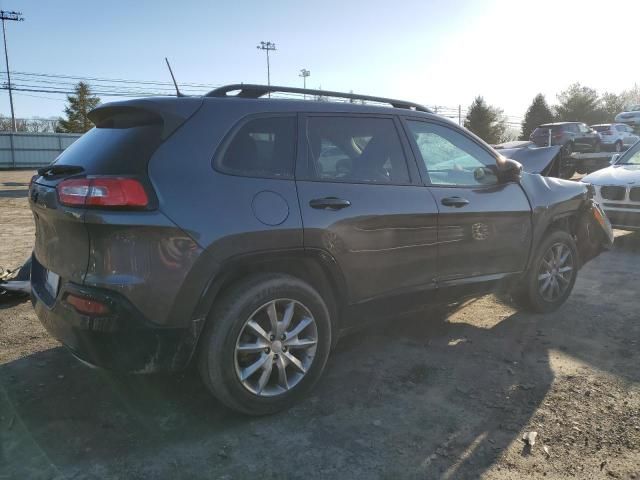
630 117
617 189
615 136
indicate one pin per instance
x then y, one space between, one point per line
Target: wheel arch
315 267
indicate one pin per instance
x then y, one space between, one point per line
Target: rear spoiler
171 112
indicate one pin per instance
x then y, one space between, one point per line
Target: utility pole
15 17
304 73
267 47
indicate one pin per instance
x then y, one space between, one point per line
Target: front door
484 226
363 203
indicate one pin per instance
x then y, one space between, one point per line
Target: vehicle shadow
14 193
425 396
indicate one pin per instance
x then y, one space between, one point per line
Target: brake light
87 306
102 192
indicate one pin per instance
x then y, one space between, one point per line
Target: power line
11 17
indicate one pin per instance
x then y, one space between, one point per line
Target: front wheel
552 275
266 343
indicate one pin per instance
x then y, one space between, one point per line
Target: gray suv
571 136
245 233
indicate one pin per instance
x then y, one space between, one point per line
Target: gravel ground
437 395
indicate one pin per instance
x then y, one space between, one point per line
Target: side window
262 147
452 158
356 149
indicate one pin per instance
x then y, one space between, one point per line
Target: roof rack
257 91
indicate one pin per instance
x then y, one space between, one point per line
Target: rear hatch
125 137
540 135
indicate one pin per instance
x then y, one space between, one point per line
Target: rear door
363 203
484 226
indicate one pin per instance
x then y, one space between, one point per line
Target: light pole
16 17
304 73
267 47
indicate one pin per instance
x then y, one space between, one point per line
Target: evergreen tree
485 121
537 114
612 105
580 104
79 105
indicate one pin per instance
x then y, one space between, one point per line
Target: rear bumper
123 341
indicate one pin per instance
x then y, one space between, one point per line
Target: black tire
618 147
528 294
217 350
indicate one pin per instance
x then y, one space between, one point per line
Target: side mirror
614 158
509 170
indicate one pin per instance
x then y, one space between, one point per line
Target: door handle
329 203
455 202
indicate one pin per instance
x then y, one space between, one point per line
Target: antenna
178 94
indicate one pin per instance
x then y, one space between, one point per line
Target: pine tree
485 121
580 104
79 105
612 105
537 114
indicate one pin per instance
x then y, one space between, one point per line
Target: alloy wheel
276 347
555 272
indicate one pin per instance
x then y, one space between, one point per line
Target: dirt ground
431 396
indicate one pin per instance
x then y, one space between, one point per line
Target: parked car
571 136
615 136
245 233
631 116
618 189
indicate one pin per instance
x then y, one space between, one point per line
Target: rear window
545 130
601 128
261 147
120 147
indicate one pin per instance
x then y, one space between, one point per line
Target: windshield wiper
53 170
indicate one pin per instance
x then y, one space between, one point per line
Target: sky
432 52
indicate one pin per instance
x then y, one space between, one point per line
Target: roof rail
257 91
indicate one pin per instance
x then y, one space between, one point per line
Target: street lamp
267 47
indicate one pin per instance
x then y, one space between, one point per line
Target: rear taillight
102 192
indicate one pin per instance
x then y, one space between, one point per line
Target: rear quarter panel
215 210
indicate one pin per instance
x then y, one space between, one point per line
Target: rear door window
262 147
356 149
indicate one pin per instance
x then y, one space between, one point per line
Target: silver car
630 117
615 136
617 189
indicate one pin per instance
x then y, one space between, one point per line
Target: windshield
601 128
631 157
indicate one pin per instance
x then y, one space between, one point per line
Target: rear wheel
552 274
266 344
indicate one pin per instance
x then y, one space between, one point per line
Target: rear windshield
545 130
113 151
